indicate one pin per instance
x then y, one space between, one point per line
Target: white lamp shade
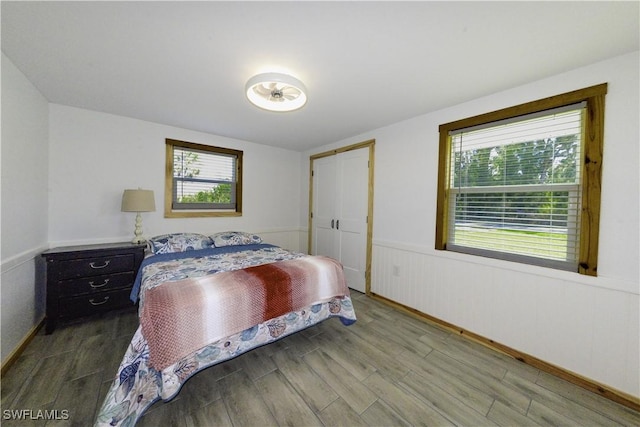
138 201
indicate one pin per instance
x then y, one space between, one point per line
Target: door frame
371 145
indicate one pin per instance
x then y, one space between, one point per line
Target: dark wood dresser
89 279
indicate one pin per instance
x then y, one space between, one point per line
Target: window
202 180
523 184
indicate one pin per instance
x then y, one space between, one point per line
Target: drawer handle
93 264
99 303
106 281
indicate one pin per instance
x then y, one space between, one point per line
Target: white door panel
353 260
353 171
324 185
324 240
340 206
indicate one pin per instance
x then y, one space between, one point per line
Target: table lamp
138 201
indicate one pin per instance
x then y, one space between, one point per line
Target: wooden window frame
169 212
594 97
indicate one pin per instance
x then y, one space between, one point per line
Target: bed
207 299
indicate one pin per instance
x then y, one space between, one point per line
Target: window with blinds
515 187
202 179
523 184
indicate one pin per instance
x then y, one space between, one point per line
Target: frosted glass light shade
276 92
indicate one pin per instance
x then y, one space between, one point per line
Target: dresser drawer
86 279
94 284
93 303
94 266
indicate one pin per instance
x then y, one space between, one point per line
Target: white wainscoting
288 238
588 326
23 298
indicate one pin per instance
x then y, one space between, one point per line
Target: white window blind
203 180
515 188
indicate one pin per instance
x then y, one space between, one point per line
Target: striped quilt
180 317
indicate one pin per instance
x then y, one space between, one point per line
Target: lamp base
138 239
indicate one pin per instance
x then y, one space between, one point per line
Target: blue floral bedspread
137 386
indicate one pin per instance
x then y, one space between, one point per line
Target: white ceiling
365 65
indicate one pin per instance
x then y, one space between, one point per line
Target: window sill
200 214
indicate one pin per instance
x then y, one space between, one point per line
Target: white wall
23 231
95 156
586 325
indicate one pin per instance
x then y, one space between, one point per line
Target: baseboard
586 383
15 354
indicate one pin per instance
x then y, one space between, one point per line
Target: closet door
351 215
340 206
324 196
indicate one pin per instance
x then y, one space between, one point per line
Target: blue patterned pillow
234 238
178 242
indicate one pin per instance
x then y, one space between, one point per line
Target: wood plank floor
388 369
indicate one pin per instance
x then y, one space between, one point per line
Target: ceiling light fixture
276 92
